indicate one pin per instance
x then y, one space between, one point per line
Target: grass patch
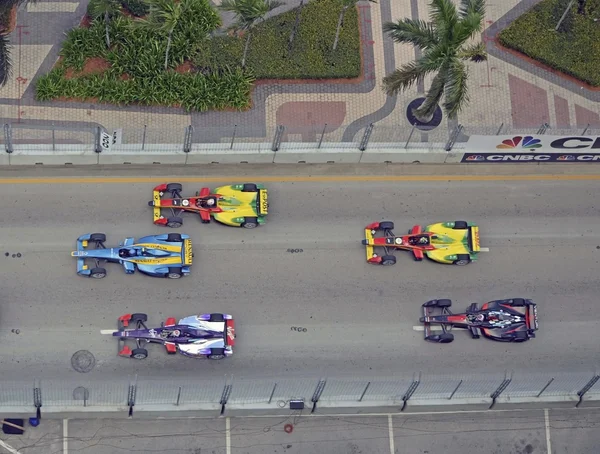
574 49
311 56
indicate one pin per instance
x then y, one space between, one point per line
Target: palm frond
98 8
407 75
475 53
249 11
444 17
5 60
433 96
472 7
409 31
457 96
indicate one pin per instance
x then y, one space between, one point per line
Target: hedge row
311 56
193 92
573 50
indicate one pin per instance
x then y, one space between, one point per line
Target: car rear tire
518 302
216 353
139 353
462 260
444 303
445 338
100 237
174 273
174 187
216 318
386 225
174 223
520 337
139 318
250 223
388 260
250 187
174 238
97 273
460 225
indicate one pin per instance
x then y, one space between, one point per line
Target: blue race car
168 255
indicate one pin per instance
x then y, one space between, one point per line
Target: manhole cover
83 361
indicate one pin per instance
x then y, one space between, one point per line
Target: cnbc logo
527 142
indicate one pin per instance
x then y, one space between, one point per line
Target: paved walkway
504 91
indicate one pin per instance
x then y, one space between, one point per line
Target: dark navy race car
209 336
510 320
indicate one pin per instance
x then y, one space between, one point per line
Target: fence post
410 136
322 134
545 387
453 136
131 395
364 392
500 389
586 388
233 137
543 128
410 391
144 137
53 138
187 139
317 394
8 146
455 389
500 129
37 398
585 130
277 137
366 136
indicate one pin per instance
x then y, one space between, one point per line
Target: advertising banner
532 148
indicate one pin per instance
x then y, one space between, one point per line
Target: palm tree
345 5
164 16
106 9
5 60
443 43
248 13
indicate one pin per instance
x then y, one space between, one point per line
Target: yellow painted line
291 179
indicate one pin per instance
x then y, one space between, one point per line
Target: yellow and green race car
455 243
237 205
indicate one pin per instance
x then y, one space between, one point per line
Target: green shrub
573 50
83 43
311 57
138 8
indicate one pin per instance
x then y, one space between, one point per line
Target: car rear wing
187 252
262 202
368 242
473 237
229 333
532 317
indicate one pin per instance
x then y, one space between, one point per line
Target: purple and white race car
209 336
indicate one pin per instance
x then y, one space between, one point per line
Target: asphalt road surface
544 241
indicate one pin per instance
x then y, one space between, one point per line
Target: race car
209 336
454 243
238 205
510 320
168 255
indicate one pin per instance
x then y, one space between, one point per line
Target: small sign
105 141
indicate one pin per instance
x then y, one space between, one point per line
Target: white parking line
547 420
9 448
391 434
227 436
65 436
107 331
484 249
422 328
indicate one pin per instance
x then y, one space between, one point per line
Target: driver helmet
123 253
210 201
480 317
132 252
176 333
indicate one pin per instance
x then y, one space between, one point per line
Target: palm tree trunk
106 19
339 27
246 47
169 40
295 27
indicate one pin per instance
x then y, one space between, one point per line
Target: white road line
484 249
65 436
422 328
227 436
9 448
391 434
107 331
548 443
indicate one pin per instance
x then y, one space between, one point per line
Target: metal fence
287 392
67 138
